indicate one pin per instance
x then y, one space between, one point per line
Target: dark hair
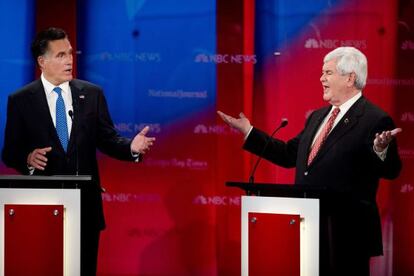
41 42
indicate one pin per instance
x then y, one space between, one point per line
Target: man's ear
41 61
351 79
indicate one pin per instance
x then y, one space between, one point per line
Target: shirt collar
49 86
347 105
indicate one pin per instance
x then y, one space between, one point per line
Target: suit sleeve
281 153
108 139
278 152
15 150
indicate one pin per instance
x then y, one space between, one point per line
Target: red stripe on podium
274 244
33 240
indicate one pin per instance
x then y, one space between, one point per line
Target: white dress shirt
343 109
52 96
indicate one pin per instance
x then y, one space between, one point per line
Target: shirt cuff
248 133
136 157
31 169
382 155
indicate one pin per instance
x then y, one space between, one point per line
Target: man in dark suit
54 126
346 147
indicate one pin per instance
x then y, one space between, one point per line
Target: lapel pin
81 96
346 120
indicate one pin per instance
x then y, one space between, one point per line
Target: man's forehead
59 45
329 65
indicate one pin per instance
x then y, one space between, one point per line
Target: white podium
24 201
280 229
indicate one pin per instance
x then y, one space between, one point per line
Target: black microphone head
284 122
70 112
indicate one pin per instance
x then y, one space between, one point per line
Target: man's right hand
37 159
242 123
382 139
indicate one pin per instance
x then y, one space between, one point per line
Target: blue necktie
61 124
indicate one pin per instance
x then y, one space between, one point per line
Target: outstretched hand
383 139
141 143
242 123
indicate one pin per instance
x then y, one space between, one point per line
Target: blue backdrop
16 65
143 54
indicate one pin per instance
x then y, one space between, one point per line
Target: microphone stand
75 141
282 125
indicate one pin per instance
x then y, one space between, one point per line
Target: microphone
72 116
283 123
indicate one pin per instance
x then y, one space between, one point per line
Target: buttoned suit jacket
347 166
29 126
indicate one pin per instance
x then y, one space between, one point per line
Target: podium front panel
274 244
33 239
69 198
308 211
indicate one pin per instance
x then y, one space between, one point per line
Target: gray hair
350 60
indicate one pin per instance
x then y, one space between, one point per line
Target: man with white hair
346 147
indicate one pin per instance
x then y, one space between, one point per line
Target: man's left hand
382 139
141 143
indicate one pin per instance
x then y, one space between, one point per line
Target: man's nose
70 58
322 78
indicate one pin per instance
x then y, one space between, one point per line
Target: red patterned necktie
323 135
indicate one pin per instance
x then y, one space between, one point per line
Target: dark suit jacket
346 165
29 126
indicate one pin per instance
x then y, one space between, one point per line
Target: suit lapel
313 126
38 103
40 107
348 121
75 91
